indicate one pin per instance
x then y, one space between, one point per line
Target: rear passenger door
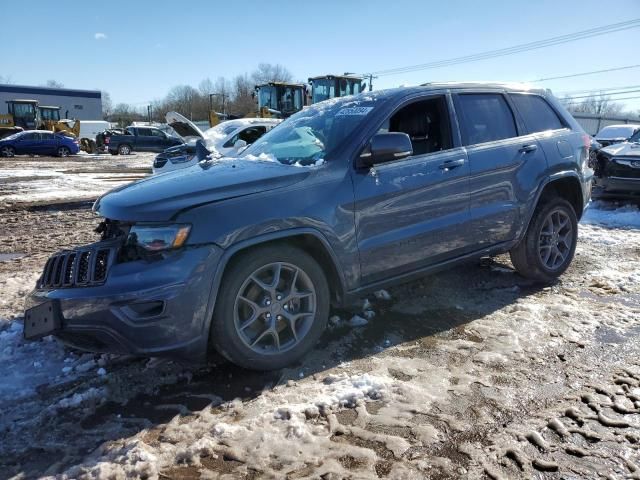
413 212
543 123
501 163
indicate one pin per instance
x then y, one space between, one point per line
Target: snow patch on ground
600 213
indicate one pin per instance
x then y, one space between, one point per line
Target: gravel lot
472 373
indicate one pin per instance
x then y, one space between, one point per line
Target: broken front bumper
147 308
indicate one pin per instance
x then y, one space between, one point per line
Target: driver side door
414 212
29 143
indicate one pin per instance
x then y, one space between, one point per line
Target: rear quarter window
537 114
484 117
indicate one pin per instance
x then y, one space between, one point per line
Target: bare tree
107 105
184 100
243 102
597 104
267 72
124 114
54 84
206 86
194 103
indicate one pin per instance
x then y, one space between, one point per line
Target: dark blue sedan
38 142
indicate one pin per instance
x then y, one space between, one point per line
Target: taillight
586 139
107 140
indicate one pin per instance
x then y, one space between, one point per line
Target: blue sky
138 50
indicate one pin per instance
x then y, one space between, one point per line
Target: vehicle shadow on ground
431 306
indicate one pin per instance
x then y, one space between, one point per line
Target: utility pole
370 77
149 111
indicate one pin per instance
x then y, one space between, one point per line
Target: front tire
124 149
7 151
549 244
272 308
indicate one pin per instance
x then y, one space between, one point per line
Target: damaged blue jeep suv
245 255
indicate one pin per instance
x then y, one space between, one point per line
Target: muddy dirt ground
472 373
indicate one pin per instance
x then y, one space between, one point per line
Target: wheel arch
565 185
309 239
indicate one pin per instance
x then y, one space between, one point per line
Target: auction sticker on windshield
354 111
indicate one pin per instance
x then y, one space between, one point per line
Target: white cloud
100 36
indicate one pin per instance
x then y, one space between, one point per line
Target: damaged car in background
228 138
246 255
612 134
617 168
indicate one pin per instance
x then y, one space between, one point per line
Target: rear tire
549 244
271 309
7 151
124 149
63 152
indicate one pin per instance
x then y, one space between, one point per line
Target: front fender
234 249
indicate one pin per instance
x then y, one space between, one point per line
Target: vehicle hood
623 150
161 197
183 126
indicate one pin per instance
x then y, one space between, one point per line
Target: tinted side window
538 116
157 133
145 132
484 118
426 122
46 136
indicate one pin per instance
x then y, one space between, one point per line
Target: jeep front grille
74 268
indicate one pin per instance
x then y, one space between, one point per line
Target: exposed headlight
156 238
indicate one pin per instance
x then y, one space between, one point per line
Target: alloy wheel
275 308
555 240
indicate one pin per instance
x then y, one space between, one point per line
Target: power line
592 90
593 72
582 101
606 94
593 32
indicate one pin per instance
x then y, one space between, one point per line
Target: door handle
529 148
450 164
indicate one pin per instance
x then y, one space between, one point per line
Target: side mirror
385 147
239 144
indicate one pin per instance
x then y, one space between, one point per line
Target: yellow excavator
24 114
49 119
325 87
279 99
